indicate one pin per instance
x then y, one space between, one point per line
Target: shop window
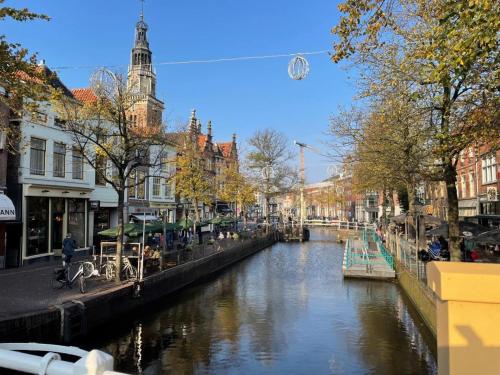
77 164
59 159
37 156
37 223
76 220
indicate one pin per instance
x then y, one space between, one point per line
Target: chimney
199 127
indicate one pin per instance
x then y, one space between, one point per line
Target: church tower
141 79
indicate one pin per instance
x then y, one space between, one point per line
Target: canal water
285 310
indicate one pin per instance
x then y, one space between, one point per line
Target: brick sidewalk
29 289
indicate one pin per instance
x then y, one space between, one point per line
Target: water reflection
286 309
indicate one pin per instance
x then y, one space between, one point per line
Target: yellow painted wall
468 316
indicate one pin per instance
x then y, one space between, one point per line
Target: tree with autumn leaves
194 180
445 54
111 142
236 188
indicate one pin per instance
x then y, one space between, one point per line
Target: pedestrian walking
69 247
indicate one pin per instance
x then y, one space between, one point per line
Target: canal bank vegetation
428 88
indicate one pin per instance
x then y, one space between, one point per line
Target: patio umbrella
491 237
400 219
467 229
113 232
216 220
432 220
154 227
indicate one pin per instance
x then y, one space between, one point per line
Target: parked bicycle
128 270
62 276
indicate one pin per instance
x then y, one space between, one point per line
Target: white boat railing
95 362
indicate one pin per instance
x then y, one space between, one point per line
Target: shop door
57 223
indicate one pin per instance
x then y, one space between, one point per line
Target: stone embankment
76 315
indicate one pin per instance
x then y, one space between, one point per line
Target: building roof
84 95
225 148
51 77
202 140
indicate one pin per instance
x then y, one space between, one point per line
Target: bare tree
113 142
268 160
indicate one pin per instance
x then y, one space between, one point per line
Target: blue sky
237 96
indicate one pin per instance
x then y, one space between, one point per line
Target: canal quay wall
76 318
419 294
411 276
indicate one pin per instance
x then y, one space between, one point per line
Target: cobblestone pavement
29 289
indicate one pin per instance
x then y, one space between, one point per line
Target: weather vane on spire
142 10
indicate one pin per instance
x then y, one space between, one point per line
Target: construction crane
303 181
303 146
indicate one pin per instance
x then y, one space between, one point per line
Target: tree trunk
384 213
119 238
410 188
453 226
392 203
196 216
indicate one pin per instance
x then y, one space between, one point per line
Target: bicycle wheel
87 269
81 283
109 271
58 280
130 272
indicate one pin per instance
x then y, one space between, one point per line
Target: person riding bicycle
68 250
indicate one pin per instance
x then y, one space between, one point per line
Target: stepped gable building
218 155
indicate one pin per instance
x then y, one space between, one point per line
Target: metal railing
95 362
405 251
382 249
337 224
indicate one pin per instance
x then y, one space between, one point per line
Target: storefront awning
7 209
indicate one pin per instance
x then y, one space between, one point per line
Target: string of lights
203 61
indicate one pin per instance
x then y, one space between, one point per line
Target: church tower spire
141 78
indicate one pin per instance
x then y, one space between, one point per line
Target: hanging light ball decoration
298 68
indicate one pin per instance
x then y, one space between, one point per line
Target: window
141 185
37 225
464 187
59 159
471 152
77 164
489 169
131 184
100 171
156 186
167 190
165 163
76 220
137 185
472 184
39 117
37 156
59 122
